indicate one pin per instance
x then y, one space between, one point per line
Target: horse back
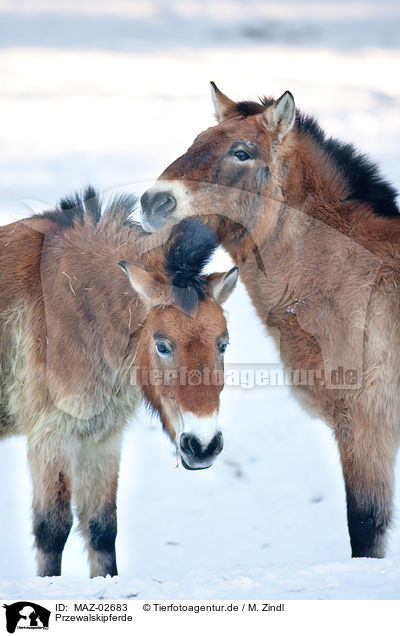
21 246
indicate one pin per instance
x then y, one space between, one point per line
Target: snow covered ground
110 93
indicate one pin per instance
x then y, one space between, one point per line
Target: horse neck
316 187
312 183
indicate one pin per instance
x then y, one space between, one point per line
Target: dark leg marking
367 527
102 535
51 528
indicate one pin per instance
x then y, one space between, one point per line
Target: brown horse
315 231
93 316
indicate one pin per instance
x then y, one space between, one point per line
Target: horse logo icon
26 615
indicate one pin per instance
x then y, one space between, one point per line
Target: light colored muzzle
165 202
200 441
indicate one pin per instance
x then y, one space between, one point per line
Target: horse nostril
190 445
158 204
163 204
216 445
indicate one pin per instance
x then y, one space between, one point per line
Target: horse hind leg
368 455
52 514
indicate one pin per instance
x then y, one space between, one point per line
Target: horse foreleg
95 481
368 456
52 515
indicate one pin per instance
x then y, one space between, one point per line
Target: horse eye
222 347
163 349
242 155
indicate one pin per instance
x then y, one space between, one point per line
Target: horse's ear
281 115
222 285
150 291
224 107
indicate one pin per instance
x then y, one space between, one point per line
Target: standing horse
315 231
90 322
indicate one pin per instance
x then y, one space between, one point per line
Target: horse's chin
154 224
185 465
145 223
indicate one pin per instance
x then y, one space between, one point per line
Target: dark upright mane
87 206
192 247
249 108
364 179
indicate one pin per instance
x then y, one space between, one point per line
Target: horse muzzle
196 455
156 208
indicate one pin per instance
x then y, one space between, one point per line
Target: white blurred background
110 93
